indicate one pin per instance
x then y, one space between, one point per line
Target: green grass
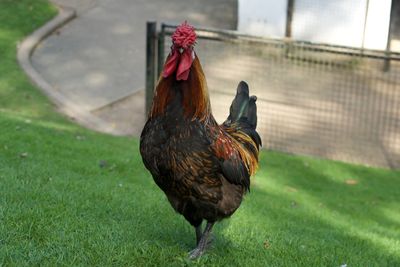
58 207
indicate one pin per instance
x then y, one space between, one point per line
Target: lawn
73 197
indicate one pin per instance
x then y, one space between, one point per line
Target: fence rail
323 100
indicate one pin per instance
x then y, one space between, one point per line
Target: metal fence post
386 65
160 54
289 18
288 30
151 37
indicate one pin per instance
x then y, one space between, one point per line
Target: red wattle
171 63
184 65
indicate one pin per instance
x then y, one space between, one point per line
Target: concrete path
99 58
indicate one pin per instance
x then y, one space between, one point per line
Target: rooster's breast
180 159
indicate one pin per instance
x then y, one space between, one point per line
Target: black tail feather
243 112
252 112
240 103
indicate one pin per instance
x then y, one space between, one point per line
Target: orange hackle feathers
195 100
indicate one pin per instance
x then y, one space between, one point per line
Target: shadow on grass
305 204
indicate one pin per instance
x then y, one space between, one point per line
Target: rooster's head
182 53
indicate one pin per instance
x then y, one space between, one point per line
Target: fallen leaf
267 244
23 155
291 189
351 182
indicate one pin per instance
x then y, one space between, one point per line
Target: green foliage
73 197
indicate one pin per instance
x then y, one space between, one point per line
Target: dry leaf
267 244
351 182
291 189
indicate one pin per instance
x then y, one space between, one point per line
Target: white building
355 23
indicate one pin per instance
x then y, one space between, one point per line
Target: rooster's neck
191 94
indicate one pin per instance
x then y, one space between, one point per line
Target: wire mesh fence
327 101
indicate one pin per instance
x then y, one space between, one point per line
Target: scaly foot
205 241
195 253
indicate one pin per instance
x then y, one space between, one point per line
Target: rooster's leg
198 234
202 245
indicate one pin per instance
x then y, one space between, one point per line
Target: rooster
203 168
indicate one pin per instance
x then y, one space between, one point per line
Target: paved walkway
98 59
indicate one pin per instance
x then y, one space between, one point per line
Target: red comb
184 36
